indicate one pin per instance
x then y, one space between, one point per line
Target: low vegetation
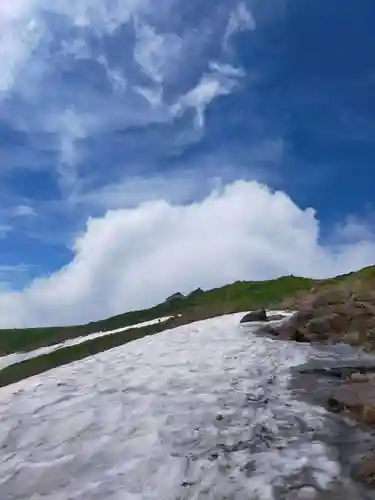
238 296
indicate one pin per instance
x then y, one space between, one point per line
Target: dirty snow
199 412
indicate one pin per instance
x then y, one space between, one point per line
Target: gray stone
258 315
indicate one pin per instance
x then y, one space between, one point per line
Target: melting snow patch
11 359
202 411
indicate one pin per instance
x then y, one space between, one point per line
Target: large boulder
258 315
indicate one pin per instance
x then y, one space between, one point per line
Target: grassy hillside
283 292
238 296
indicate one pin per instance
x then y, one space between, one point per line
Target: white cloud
210 87
76 111
101 17
133 258
134 190
23 211
179 187
354 228
241 19
5 229
19 34
227 69
114 76
156 53
70 126
153 95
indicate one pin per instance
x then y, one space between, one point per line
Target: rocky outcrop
365 471
196 292
356 396
340 313
335 315
175 296
258 315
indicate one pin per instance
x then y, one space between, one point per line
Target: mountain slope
239 296
287 292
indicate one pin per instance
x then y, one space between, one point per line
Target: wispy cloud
156 53
227 69
211 86
69 88
17 268
5 229
20 33
114 76
23 211
241 19
70 129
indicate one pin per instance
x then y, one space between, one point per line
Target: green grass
236 297
65 355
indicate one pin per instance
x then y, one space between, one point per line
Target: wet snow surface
199 412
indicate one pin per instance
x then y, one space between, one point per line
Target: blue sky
106 105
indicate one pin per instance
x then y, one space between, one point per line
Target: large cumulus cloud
134 258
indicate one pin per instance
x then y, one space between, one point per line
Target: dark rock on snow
276 317
345 370
258 315
267 329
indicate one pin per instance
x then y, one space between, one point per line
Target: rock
319 326
366 470
305 314
276 317
198 291
267 330
358 398
333 296
368 414
337 322
361 377
358 377
346 370
325 326
175 296
299 336
291 329
352 338
258 315
335 315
